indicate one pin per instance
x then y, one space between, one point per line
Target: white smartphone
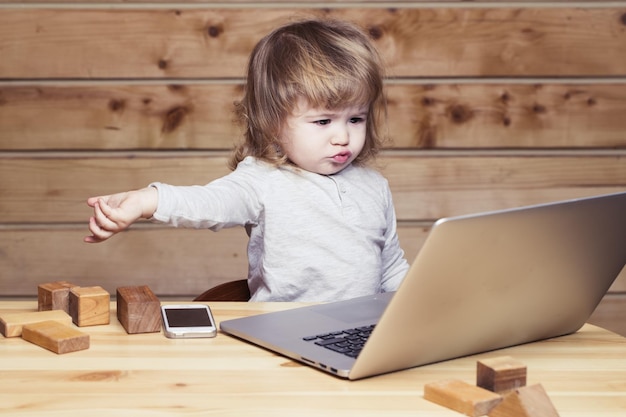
188 321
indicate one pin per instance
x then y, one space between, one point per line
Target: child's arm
114 213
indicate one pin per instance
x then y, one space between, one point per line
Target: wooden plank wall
491 105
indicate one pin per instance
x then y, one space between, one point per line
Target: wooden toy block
500 374
89 306
11 324
138 309
54 336
54 296
531 401
462 397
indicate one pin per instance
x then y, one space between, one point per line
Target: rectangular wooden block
500 374
90 306
54 336
11 324
54 296
462 397
138 309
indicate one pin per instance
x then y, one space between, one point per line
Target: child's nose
341 136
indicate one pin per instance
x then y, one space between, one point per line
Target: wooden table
149 375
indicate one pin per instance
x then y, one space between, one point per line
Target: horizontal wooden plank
439 186
171 261
425 186
479 115
114 116
200 115
210 42
297 2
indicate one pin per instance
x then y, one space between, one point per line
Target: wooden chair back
229 291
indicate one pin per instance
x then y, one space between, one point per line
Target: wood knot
623 19
459 113
538 108
98 376
174 118
505 98
176 88
591 101
162 64
428 101
215 30
375 32
117 105
506 121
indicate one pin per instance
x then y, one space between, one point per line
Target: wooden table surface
149 375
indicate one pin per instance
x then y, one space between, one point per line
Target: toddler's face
324 141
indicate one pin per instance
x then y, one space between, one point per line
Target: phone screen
188 317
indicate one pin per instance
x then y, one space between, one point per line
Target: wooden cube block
500 374
11 324
55 336
89 306
531 401
54 296
138 309
462 397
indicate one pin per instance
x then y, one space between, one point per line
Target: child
321 224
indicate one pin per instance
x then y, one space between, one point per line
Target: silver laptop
480 282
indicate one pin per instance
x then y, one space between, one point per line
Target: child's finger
91 201
104 209
97 233
102 214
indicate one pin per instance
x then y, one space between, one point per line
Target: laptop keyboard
348 341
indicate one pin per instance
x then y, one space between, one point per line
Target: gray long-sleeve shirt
312 237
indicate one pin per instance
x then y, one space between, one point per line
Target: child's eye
322 122
356 120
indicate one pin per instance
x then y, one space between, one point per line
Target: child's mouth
342 157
